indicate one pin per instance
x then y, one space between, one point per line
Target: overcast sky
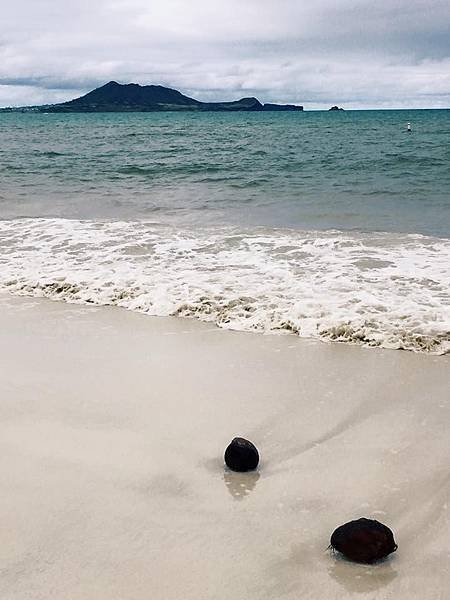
355 53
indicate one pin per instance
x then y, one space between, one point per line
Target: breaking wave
374 289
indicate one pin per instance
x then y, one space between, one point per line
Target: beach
113 426
224 301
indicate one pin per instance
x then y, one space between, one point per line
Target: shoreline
377 290
332 337
113 426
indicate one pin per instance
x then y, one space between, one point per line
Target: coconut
364 540
241 455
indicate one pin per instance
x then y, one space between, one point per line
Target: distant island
132 97
335 108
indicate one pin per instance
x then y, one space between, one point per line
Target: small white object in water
408 126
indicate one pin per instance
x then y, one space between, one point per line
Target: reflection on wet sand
362 579
240 484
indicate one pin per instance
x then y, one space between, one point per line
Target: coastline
113 426
373 289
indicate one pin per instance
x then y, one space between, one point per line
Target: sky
354 53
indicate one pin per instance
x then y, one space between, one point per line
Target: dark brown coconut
364 540
241 455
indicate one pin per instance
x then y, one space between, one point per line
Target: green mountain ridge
132 97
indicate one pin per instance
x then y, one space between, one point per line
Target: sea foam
375 289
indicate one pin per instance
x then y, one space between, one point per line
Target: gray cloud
355 52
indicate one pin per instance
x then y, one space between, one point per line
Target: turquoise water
356 170
333 226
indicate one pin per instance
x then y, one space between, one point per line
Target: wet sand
112 432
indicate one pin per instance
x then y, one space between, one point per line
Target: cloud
355 52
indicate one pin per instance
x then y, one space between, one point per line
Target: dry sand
112 431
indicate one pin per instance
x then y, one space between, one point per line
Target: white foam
375 289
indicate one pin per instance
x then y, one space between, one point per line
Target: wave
373 289
163 168
50 154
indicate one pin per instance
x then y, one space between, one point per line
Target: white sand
112 431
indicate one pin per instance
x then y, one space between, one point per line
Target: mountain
132 97
113 96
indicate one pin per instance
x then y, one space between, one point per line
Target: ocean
328 225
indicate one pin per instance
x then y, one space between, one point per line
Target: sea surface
327 225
